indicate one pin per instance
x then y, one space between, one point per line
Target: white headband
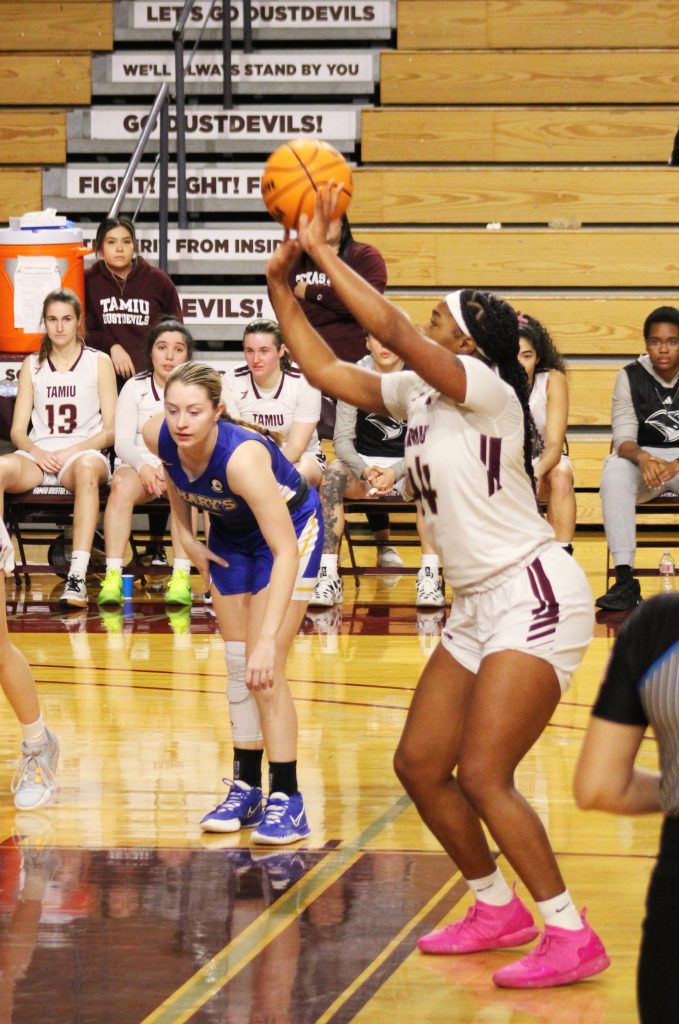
454 304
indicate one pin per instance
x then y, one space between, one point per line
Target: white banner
214 123
89 182
275 66
296 14
200 308
228 244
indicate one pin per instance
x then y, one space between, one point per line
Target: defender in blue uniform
264 551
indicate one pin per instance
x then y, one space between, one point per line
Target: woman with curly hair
548 400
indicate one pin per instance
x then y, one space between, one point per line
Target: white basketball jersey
293 399
66 406
465 463
147 396
538 403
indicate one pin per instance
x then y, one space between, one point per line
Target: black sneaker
620 596
158 555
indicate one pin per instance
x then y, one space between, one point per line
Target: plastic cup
128 584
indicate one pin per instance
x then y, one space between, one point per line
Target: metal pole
159 101
182 214
162 196
227 98
247 26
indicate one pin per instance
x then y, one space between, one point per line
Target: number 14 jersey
66 404
465 466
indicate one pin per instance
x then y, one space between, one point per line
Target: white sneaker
75 592
328 590
429 589
34 780
388 558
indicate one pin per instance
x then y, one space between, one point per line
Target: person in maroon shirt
330 317
319 302
124 297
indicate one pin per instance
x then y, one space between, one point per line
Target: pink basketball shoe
560 958
484 927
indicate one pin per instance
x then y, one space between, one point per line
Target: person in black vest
370 463
645 462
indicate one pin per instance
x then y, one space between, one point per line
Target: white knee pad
245 724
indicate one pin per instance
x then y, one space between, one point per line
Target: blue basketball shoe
243 808
284 821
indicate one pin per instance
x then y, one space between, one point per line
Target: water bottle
666 569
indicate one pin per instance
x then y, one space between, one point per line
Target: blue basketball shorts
251 561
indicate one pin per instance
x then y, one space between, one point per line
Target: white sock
79 562
35 734
114 563
560 912
181 564
492 889
431 562
329 562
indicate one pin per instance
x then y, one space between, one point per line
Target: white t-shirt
66 403
466 462
292 400
140 399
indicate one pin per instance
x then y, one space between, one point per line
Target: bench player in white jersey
272 394
67 392
522 613
548 402
138 476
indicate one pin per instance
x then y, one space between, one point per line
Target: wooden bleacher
31 79
20 190
527 76
515 195
578 135
45 68
531 257
526 24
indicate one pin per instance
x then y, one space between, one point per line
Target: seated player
67 396
138 475
370 464
272 394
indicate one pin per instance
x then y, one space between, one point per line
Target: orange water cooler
34 260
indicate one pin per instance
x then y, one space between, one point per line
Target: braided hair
494 326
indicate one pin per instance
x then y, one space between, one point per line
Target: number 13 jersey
465 465
66 404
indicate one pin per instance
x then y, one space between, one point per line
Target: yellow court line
205 983
388 950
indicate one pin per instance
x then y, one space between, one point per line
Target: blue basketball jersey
210 491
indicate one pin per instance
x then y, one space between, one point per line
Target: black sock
623 573
247 766
283 777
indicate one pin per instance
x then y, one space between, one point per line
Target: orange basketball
293 174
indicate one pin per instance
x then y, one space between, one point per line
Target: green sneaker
179 588
111 590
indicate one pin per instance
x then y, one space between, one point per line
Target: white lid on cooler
40 227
